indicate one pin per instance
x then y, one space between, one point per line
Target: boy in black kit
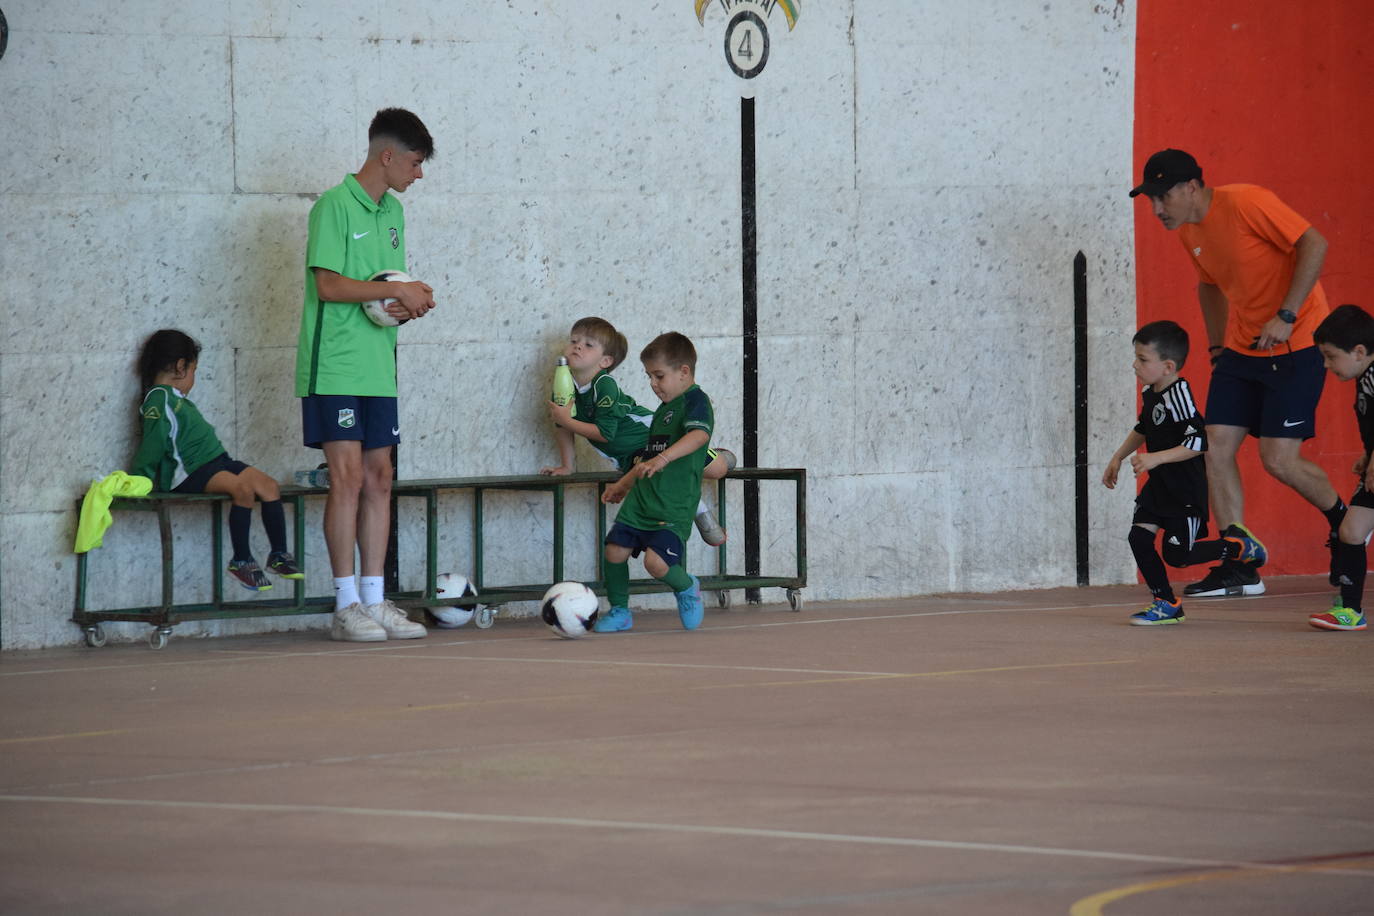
1175 496
1346 340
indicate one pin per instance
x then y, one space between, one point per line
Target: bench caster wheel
723 598
158 638
794 598
485 616
95 635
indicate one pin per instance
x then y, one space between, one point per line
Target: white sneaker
709 528
393 621
352 625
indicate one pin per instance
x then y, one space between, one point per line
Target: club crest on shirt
395 238
668 417
346 418
1159 414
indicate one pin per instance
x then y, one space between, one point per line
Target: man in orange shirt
1257 263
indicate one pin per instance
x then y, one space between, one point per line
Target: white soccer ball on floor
452 585
376 308
569 609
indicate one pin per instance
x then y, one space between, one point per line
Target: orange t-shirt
1244 246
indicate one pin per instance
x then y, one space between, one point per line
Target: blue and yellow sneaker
1249 550
1159 613
689 607
1338 618
616 620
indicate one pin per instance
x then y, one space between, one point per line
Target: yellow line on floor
1092 906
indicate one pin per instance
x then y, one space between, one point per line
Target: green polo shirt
340 351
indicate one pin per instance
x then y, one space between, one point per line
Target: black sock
1211 551
1335 515
239 519
1150 565
1350 563
274 522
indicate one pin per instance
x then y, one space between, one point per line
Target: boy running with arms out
1346 340
346 365
1174 497
610 420
661 491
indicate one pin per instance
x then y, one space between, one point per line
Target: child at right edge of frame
1174 498
1346 341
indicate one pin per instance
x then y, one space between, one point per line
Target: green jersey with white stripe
176 438
623 422
669 498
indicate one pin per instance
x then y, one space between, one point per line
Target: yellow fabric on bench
95 508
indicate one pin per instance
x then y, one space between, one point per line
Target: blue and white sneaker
1159 613
1249 550
616 620
689 607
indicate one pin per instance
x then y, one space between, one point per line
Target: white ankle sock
370 590
345 592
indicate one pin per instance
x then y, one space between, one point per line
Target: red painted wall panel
1278 94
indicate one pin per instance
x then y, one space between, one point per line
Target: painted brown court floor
1016 753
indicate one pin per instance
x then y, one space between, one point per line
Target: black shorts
1183 531
1274 397
661 541
373 421
195 481
1362 498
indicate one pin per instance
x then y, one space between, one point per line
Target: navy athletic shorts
195 481
662 541
1274 397
349 418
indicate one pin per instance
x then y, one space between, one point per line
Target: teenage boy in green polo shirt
346 365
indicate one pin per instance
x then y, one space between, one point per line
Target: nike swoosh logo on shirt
358 235
1288 424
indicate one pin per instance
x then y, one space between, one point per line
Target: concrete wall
926 173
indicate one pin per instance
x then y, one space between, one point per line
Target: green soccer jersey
669 498
623 422
177 440
340 350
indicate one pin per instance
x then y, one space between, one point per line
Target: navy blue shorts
195 481
1274 397
349 418
662 541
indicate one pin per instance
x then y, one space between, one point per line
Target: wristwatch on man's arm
1288 315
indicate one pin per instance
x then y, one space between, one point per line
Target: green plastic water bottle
563 387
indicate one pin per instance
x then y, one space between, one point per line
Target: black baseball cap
1165 169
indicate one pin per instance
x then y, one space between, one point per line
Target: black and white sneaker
1229 580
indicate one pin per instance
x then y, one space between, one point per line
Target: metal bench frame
167 614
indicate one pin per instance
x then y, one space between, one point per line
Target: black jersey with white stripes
1170 418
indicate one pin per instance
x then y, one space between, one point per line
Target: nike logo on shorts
1289 424
395 430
